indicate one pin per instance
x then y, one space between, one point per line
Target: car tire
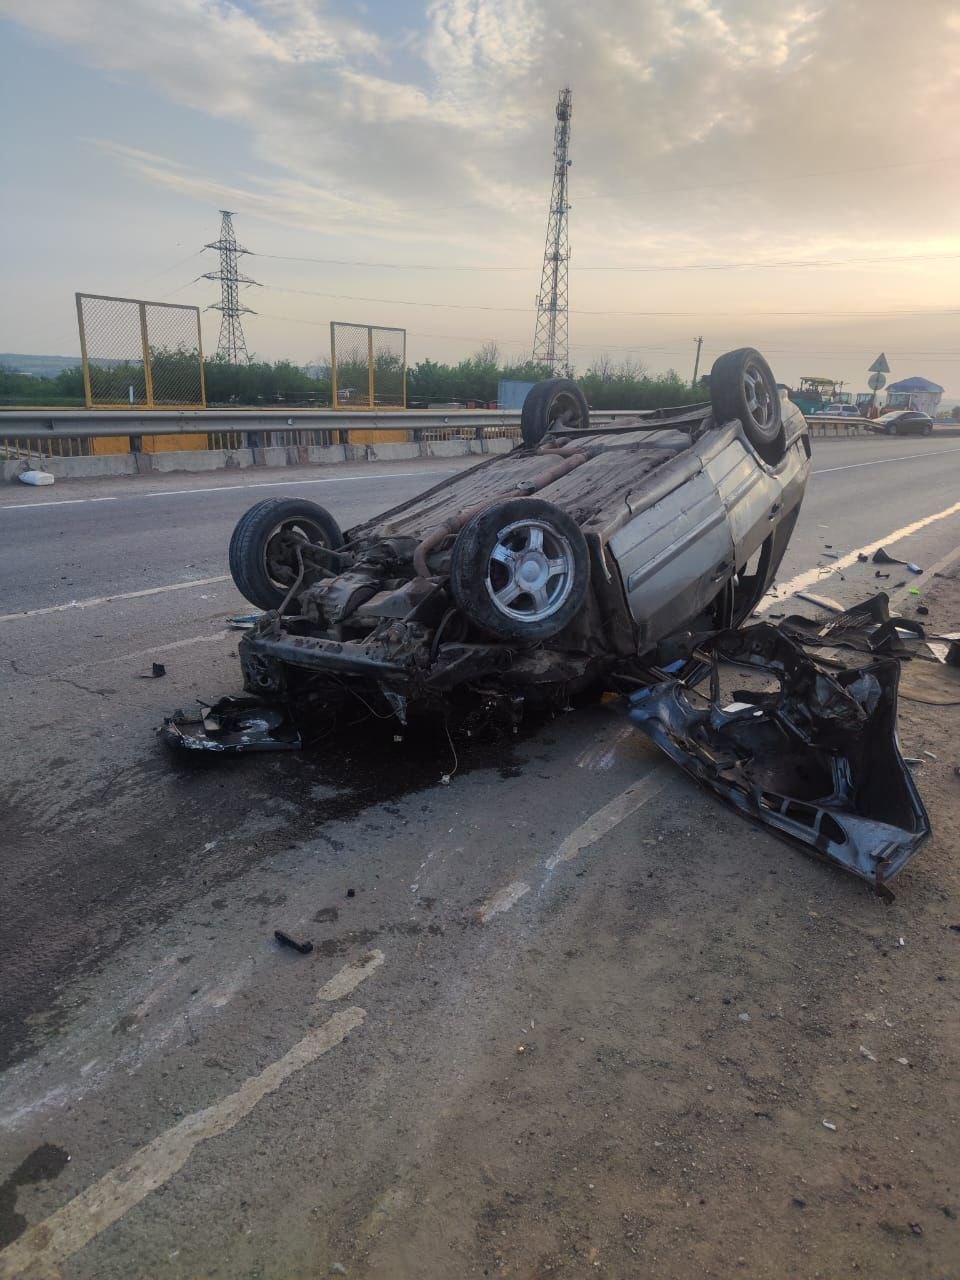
891 429
742 386
520 570
262 561
555 402
926 429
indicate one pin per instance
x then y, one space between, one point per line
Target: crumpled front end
816 759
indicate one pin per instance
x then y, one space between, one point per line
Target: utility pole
696 363
550 342
232 345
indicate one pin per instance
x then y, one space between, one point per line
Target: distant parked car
839 411
904 422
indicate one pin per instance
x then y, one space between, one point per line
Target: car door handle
721 571
774 511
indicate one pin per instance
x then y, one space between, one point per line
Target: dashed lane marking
503 900
350 976
220 488
126 595
880 462
610 816
43 1248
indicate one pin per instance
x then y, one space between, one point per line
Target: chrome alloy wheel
530 571
760 402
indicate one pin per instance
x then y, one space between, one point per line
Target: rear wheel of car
926 429
742 386
520 570
558 402
263 549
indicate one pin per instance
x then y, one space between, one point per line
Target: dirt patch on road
741 1066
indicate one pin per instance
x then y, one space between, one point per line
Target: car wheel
742 386
926 429
891 428
520 570
263 556
558 402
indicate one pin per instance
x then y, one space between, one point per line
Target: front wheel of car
555 403
891 428
742 386
264 562
520 570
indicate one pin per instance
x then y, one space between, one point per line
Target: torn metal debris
231 726
816 758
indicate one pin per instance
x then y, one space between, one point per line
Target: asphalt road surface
564 1015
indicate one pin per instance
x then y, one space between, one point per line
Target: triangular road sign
880 365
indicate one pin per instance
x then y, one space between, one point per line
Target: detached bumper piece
817 759
231 726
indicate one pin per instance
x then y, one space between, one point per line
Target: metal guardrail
57 432
28 433
83 422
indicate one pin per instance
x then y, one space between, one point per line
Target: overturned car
620 556
591 553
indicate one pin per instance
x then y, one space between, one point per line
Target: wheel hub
533 570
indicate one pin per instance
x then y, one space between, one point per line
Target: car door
675 552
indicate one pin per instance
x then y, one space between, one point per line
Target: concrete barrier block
398 452
201 460
445 448
326 454
111 464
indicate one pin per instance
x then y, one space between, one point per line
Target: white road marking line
811 576
503 900
601 755
225 634
220 488
350 976
45 1246
879 462
610 816
126 595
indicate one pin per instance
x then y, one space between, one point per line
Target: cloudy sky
404 150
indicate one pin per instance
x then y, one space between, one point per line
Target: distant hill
38 366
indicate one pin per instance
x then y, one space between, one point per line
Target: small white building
914 393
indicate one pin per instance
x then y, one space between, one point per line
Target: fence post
83 355
370 366
147 371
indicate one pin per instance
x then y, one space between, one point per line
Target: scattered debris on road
156 672
233 725
285 940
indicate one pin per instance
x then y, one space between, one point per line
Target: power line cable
775 264
742 311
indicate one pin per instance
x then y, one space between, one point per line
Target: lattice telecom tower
232 345
550 342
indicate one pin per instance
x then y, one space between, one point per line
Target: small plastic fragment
880 556
865 1053
286 941
827 1125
